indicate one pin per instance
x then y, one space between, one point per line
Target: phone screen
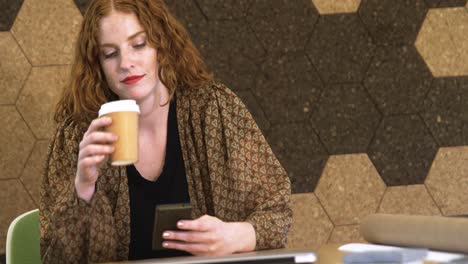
166 217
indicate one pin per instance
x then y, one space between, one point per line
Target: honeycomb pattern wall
365 103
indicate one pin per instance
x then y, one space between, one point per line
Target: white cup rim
119 106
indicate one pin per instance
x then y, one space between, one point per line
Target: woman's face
128 62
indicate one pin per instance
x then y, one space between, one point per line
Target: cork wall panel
292 104
15 201
447 181
383 81
350 188
398 80
16 141
393 22
409 199
305 161
443 40
346 234
311 226
446 111
8 12
445 3
46 30
333 7
32 174
402 150
339 53
14 68
281 26
39 96
346 118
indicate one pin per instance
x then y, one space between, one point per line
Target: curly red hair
180 63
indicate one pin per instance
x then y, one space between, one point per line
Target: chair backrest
23 239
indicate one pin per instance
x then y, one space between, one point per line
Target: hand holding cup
114 134
94 151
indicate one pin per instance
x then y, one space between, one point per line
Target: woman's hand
94 151
209 235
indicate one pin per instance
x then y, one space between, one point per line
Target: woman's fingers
209 235
98 123
202 224
92 161
197 249
95 149
97 137
202 236
190 236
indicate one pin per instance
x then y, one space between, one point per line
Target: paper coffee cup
124 114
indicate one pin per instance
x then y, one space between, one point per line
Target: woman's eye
110 55
139 46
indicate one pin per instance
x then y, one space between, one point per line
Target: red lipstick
132 79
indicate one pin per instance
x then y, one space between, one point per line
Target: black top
170 187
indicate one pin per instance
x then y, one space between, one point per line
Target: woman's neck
154 110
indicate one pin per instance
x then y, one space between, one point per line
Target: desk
327 254
263 256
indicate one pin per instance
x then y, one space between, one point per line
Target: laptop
275 256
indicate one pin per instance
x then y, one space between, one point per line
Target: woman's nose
126 61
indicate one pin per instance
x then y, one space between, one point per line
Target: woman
197 144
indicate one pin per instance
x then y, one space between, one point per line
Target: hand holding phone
166 218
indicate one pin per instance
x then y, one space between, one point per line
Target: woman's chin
134 96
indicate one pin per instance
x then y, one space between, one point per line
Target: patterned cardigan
231 173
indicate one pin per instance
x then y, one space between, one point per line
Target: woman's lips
132 79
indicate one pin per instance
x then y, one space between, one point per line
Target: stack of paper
368 253
364 253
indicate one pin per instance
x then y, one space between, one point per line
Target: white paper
358 247
439 256
306 258
436 256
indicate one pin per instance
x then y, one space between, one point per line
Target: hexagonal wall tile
254 108
446 111
443 41
393 22
39 96
81 4
345 119
8 12
300 152
32 173
346 234
46 30
447 181
410 199
350 188
402 150
445 3
14 68
287 88
311 226
16 140
232 52
222 10
280 25
15 201
398 80
188 13
332 7
339 53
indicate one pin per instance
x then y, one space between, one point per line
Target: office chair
23 238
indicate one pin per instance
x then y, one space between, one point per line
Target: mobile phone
166 217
